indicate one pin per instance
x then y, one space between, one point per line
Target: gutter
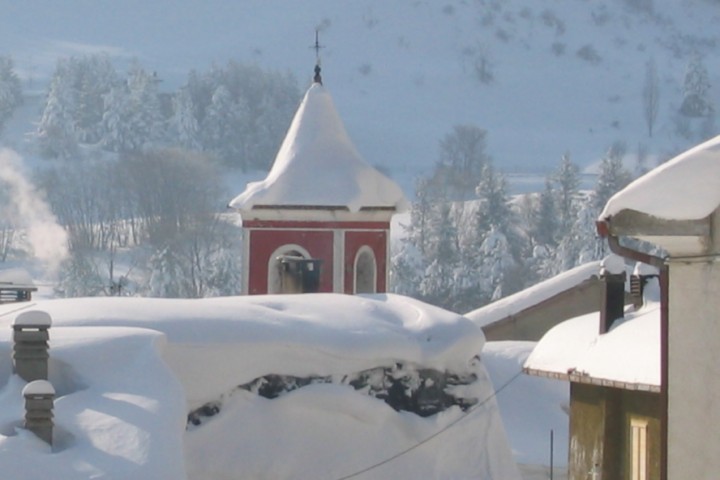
603 229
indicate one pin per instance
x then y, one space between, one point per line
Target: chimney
641 273
39 396
30 350
612 274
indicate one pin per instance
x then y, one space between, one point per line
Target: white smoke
26 209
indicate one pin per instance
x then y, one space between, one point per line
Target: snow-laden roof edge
685 188
318 165
628 354
534 295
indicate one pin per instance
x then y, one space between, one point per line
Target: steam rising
25 209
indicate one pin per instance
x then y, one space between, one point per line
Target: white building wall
694 370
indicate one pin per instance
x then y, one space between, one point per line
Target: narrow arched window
365 271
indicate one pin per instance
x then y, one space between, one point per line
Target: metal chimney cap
38 387
33 318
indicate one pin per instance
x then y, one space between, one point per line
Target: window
280 279
365 271
639 447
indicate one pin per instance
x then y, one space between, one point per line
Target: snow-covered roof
333 333
126 371
627 355
318 165
685 188
517 302
16 277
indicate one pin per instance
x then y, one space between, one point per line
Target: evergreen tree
115 120
462 158
567 181
10 90
613 176
56 130
94 76
225 128
650 96
544 228
184 120
438 283
493 208
696 89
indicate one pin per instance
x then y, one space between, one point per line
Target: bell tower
320 220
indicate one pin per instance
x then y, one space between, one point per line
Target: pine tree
493 209
567 180
56 131
545 221
145 116
438 283
224 128
613 176
696 90
94 77
10 90
184 120
462 158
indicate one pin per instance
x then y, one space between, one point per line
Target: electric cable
439 432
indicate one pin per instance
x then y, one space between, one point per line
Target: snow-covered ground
127 372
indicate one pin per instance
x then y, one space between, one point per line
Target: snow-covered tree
79 277
462 158
544 227
10 90
651 96
613 175
567 183
94 77
493 208
56 131
184 120
582 243
225 128
241 113
696 89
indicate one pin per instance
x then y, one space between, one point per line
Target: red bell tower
320 220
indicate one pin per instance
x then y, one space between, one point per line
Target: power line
444 429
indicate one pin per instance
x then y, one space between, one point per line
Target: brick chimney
612 274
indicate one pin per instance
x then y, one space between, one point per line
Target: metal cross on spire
317 47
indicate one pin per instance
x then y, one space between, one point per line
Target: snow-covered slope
543 77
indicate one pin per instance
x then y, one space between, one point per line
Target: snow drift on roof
628 353
318 165
121 412
685 188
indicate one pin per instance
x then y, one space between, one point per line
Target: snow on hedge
339 363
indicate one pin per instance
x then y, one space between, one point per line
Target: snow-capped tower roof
318 166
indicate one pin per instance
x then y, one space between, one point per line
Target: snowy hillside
542 78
